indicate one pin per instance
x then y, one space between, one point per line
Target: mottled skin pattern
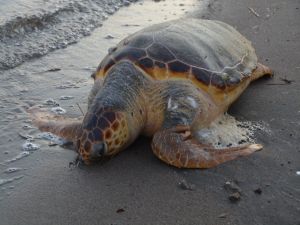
168 100
110 126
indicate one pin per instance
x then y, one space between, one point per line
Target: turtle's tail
260 71
67 128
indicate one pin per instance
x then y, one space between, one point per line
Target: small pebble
120 210
58 110
183 184
222 215
232 186
109 37
258 191
126 3
66 85
27 127
298 173
234 197
12 170
51 144
53 70
29 146
51 101
241 142
66 97
26 137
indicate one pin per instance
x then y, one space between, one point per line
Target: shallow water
60 78
32 28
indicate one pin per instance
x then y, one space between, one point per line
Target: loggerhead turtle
168 81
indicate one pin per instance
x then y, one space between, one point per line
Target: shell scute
179 67
218 81
146 62
132 54
141 41
160 64
160 53
202 75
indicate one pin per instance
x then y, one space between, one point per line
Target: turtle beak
98 150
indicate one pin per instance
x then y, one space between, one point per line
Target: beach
134 187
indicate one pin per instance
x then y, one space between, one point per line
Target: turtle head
104 133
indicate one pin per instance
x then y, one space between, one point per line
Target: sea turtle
168 81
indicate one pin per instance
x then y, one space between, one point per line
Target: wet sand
135 187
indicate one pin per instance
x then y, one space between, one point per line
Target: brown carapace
168 81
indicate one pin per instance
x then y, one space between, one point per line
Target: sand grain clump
228 132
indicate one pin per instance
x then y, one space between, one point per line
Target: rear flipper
176 148
66 128
260 71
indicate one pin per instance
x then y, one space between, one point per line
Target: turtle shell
208 52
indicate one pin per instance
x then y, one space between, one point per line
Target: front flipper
66 128
176 147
